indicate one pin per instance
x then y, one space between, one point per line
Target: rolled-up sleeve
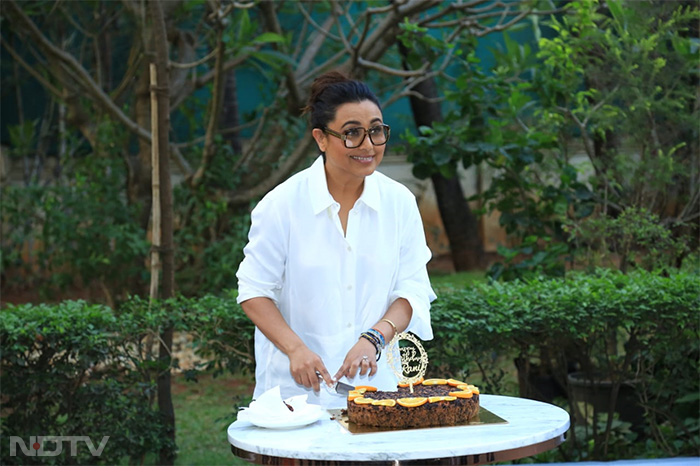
413 283
261 272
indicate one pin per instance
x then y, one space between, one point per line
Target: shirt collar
321 197
370 193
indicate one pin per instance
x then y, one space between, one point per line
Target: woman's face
357 162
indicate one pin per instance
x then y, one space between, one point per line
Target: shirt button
349 249
349 287
349 325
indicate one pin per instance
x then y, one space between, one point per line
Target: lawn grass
203 412
457 280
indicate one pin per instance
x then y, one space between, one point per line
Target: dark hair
331 90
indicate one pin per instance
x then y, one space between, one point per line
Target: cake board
483 417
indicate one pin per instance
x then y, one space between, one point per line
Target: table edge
471 459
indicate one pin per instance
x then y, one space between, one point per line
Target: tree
196 45
207 42
165 347
460 223
619 82
628 86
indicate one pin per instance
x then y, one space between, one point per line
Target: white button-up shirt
331 286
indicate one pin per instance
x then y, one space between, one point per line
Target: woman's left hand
362 356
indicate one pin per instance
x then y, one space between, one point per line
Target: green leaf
269 37
616 10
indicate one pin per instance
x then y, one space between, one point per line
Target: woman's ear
321 138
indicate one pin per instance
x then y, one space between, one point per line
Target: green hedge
81 369
68 369
640 327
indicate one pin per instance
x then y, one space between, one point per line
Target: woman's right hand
305 365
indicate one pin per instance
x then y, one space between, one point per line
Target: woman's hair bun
320 84
329 91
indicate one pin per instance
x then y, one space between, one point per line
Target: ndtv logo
37 445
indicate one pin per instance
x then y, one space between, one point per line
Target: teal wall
252 90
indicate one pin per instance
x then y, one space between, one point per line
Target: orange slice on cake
435 382
417 382
462 394
366 388
435 399
363 401
384 403
455 383
412 402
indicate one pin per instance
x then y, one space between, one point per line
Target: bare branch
311 51
134 63
392 71
322 30
272 24
286 169
248 153
504 26
203 80
230 130
383 9
180 160
78 71
451 8
323 66
195 63
365 30
341 34
214 109
30 69
384 35
422 97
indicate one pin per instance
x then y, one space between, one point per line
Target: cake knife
337 388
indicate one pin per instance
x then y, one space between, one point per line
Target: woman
336 260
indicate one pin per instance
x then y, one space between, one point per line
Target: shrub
64 373
76 368
640 327
79 369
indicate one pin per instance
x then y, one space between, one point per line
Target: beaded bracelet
379 335
375 340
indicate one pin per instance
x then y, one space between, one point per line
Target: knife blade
337 388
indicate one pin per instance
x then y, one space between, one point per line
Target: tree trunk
165 402
229 113
460 223
139 180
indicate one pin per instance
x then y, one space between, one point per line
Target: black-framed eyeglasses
354 137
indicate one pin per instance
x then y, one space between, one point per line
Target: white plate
291 423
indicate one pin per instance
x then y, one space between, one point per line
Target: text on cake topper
410 361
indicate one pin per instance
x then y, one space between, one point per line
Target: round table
531 427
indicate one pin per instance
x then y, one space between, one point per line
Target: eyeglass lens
378 135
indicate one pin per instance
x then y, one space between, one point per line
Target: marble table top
529 423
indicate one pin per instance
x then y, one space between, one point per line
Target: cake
434 402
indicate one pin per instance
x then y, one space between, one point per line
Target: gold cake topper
410 361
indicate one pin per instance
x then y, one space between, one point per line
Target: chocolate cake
434 402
